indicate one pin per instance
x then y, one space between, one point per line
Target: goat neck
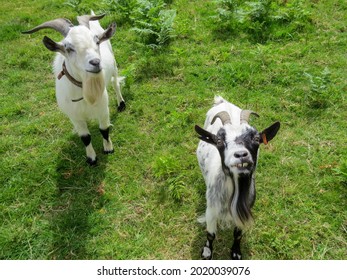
65 72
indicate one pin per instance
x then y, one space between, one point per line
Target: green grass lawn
142 202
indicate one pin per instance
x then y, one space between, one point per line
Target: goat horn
84 20
245 114
224 117
61 25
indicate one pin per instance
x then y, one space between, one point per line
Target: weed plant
318 96
153 23
150 20
122 9
264 19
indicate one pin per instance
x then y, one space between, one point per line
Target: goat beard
93 87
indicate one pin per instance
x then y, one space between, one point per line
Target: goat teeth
241 165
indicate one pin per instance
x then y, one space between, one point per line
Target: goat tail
119 80
218 100
202 219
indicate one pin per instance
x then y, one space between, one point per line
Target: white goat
227 155
84 66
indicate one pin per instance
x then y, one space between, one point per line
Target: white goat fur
91 62
89 108
227 155
217 207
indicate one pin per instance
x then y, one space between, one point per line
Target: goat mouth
97 71
242 166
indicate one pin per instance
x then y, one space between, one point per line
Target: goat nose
95 62
241 154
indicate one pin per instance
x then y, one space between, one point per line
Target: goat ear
206 136
269 133
53 46
109 32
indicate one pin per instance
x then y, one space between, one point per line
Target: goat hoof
206 253
121 106
109 152
91 162
236 255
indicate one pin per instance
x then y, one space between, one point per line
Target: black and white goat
83 67
227 155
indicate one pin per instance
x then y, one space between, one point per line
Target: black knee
105 133
237 233
210 239
211 236
86 139
121 106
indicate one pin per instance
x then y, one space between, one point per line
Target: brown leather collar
71 79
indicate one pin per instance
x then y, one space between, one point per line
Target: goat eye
70 50
220 142
97 39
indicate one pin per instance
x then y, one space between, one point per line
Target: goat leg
236 248
108 147
91 156
207 251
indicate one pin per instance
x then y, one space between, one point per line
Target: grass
143 201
